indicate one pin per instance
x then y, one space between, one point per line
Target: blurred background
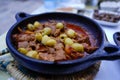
8 8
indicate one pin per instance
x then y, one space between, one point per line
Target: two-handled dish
104 51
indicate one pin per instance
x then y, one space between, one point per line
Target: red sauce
78 29
82 31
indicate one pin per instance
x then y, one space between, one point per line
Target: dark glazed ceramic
116 37
106 51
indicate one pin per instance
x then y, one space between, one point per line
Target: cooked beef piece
76 55
84 40
51 50
59 46
85 45
58 40
57 32
15 38
23 44
90 49
32 37
32 43
37 46
53 29
23 37
42 49
46 56
60 55
53 55
28 48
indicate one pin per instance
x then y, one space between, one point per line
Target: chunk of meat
51 50
59 46
46 56
42 49
37 46
76 55
23 37
15 38
60 55
23 44
31 37
84 39
88 48
57 32
53 28
32 43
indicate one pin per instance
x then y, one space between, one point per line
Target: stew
54 41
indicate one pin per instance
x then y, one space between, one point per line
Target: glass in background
50 4
53 4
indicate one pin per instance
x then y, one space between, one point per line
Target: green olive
38 36
45 38
51 42
47 31
78 47
63 36
71 33
32 54
30 27
68 41
37 24
22 50
37 56
59 25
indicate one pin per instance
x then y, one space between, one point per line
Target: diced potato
59 25
38 36
32 54
45 38
71 33
37 24
30 27
78 47
22 50
68 41
47 31
51 42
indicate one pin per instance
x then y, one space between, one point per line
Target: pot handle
21 15
109 52
116 37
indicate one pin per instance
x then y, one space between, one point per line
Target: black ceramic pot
106 51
